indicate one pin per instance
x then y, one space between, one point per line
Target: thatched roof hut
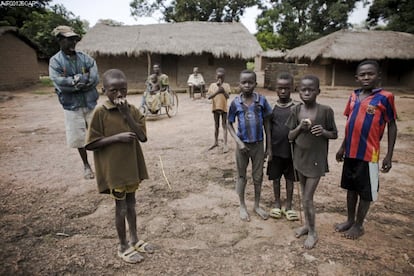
357 45
185 38
347 47
207 45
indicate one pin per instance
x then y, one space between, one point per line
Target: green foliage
37 23
250 65
193 10
397 14
290 23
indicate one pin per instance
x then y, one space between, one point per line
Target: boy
368 111
281 162
219 92
252 112
75 77
311 125
115 132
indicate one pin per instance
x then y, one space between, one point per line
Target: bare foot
262 213
301 231
88 173
310 241
354 232
244 215
213 146
344 226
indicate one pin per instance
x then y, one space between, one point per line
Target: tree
397 14
36 23
193 10
295 22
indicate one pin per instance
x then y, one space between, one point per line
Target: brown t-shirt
219 102
119 164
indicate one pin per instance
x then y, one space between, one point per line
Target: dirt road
52 222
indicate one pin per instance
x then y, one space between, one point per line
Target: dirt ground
52 222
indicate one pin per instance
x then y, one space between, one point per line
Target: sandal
130 256
290 215
143 247
275 213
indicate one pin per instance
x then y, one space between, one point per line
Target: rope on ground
163 173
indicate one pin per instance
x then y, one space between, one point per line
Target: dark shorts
279 166
361 177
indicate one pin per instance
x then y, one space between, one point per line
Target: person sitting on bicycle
164 85
152 94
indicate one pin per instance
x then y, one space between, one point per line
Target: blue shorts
362 177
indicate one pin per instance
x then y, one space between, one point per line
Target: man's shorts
120 192
76 124
362 177
279 166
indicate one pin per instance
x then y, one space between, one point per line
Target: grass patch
46 81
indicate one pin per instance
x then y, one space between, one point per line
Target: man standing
75 77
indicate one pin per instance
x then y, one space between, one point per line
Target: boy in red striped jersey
369 110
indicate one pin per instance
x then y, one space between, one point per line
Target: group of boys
296 136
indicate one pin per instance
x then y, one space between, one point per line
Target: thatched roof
273 53
15 31
185 38
357 45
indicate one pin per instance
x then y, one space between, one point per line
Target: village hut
18 60
177 47
334 57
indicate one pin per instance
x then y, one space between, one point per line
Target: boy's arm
341 152
268 131
124 109
233 134
123 137
392 137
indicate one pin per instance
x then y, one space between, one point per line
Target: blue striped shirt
250 118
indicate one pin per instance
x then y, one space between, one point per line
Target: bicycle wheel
144 110
172 109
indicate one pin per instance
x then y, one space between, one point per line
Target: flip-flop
275 213
130 256
143 247
290 215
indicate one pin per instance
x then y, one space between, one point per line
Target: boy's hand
316 130
305 124
122 105
340 154
243 147
126 137
386 165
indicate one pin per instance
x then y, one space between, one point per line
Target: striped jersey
250 118
366 121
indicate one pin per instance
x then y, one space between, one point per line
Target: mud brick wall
18 63
274 68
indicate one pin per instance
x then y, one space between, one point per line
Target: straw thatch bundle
351 45
220 39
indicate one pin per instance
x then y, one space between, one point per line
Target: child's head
114 84
195 70
156 68
309 89
220 72
153 78
368 74
247 81
284 85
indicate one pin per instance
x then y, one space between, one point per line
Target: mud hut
334 57
18 60
177 47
